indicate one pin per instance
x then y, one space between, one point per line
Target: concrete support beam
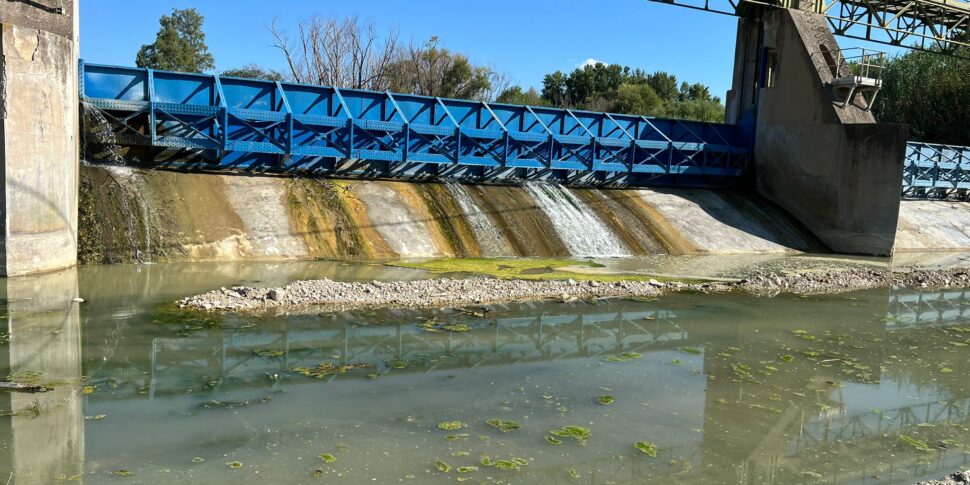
38 135
831 166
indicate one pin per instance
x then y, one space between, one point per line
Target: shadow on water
731 389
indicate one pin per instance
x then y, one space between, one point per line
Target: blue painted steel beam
935 171
255 124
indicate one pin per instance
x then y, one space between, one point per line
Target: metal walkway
250 124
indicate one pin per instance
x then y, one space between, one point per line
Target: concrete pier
38 135
831 166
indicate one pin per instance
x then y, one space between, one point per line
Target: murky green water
730 389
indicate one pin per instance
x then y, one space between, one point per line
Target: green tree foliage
515 95
179 44
638 99
253 71
931 93
554 89
619 89
664 84
431 70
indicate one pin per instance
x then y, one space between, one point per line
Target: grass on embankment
531 269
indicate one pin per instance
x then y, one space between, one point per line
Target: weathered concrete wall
38 137
832 167
130 215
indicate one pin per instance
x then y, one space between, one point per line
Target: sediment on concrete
135 215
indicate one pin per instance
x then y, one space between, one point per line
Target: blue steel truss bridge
247 124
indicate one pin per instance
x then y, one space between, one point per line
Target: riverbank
328 295
955 479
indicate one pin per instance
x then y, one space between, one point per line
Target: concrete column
831 166
38 135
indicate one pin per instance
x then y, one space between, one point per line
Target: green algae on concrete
527 269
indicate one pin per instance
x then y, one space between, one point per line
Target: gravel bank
959 478
332 295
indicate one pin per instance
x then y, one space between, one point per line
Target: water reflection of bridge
908 308
407 347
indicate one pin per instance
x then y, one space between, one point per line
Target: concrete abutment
39 134
831 166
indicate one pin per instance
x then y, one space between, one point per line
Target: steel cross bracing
934 171
255 124
918 24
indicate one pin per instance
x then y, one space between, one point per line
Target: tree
179 45
554 88
664 84
930 92
638 99
515 95
431 70
347 53
253 71
594 81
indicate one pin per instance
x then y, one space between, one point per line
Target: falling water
582 232
126 178
489 238
99 136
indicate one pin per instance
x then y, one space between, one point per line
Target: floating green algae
503 426
452 425
328 458
234 464
624 357
572 473
124 472
578 433
553 440
605 399
647 448
467 469
327 369
918 444
198 459
269 353
442 466
528 269
435 327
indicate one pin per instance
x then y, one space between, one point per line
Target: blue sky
525 38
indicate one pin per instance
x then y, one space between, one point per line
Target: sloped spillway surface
582 232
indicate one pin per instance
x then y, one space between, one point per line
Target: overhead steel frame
266 125
934 171
917 24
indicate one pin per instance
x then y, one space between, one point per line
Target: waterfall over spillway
583 233
489 238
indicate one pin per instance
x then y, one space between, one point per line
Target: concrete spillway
129 214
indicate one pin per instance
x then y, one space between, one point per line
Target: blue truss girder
302 123
936 171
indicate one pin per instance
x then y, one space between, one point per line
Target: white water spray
489 239
583 233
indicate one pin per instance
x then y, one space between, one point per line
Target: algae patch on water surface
525 269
